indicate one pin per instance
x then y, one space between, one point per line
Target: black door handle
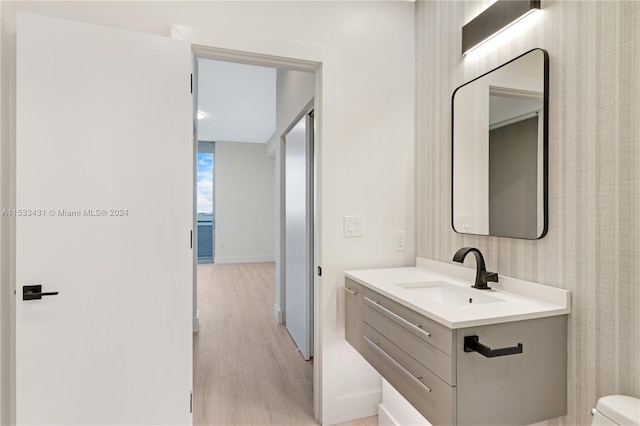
34 292
472 344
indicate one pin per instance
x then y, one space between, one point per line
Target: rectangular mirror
499 150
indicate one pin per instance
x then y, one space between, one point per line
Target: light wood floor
247 370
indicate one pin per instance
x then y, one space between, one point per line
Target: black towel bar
472 344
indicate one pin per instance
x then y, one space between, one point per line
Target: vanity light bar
498 17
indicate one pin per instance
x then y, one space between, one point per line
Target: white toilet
616 410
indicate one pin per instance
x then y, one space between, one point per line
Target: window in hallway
205 209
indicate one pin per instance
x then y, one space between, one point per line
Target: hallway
247 370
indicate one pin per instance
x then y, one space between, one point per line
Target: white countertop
519 300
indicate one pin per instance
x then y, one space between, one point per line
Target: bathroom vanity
460 355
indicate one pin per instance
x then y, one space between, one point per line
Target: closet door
299 234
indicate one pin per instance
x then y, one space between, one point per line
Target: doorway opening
255 302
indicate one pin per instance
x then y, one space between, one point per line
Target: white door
104 149
299 234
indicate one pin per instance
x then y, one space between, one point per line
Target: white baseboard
354 406
396 410
384 418
196 321
243 259
277 313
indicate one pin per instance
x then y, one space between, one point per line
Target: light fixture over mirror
499 150
496 18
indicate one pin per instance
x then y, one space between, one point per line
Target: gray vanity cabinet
427 363
516 389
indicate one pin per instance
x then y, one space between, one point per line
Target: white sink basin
446 294
441 292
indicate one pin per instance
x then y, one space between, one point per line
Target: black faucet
482 276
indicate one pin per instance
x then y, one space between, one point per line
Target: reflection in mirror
499 150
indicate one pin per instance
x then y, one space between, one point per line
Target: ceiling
239 102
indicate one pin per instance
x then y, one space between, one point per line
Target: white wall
244 199
294 91
365 124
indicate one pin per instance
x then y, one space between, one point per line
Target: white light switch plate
353 226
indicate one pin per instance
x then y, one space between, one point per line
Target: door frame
221 53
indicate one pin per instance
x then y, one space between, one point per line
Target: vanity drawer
406 360
424 353
431 396
420 326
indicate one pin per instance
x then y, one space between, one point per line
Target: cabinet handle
377 347
472 344
350 291
397 318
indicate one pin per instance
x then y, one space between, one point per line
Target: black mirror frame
545 144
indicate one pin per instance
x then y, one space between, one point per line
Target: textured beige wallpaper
593 244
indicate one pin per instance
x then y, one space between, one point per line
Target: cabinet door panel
518 389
